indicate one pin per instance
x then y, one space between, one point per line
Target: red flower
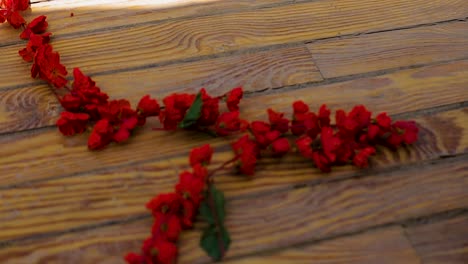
166 226
91 97
148 107
233 99
47 66
133 258
210 109
201 155
304 145
15 19
70 102
190 187
300 107
15 5
280 147
361 115
101 135
383 120
324 116
247 150
159 251
330 143
165 203
37 26
200 172
176 107
260 130
35 41
72 123
403 132
121 116
321 161
188 213
361 159
372 132
228 123
277 121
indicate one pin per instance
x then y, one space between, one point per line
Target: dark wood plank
367 53
441 242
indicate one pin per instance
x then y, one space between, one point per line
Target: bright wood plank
26 157
187 39
36 106
367 53
441 242
279 219
387 246
102 14
69 202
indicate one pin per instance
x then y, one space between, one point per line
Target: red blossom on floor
37 26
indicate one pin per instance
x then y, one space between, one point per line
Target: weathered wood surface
90 198
394 49
36 106
150 44
387 246
65 155
441 242
284 218
60 203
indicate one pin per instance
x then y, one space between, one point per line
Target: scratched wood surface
60 203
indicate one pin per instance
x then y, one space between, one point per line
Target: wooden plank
279 219
367 53
102 14
189 39
387 246
34 107
95 197
27 158
441 242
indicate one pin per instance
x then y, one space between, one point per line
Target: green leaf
193 113
218 198
205 212
215 241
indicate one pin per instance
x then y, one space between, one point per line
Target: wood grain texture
387 246
102 14
34 107
366 53
278 219
116 193
184 39
441 242
27 157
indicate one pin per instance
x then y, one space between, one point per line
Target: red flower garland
351 140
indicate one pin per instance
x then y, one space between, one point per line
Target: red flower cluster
351 140
10 11
201 112
114 119
84 102
174 211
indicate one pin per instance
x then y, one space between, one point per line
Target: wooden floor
60 203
